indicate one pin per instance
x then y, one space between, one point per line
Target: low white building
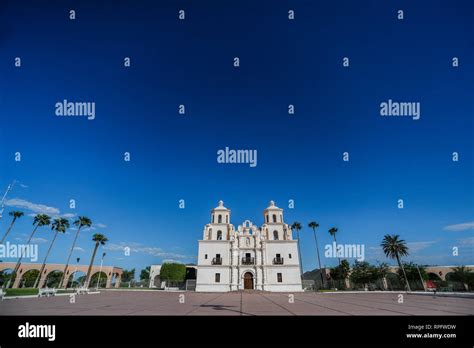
251 257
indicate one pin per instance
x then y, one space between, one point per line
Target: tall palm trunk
86 283
403 270
38 278
299 255
18 264
65 279
8 231
335 241
319 259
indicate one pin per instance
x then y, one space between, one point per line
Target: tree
38 221
60 226
29 277
99 239
342 271
173 272
53 279
79 223
332 231
145 274
16 215
5 277
413 271
395 248
128 275
464 275
313 225
297 226
99 280
363 273
382 270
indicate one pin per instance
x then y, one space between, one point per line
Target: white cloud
417 246
38 240
466 241
78 248
23 186
460 227
100 225
170 261
68 215
142 249
34 207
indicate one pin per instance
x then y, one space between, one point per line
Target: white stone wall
206 278
211 248
154 271
284 248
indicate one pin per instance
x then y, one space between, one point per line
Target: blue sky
283 62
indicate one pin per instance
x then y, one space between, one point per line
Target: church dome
220 206
272 206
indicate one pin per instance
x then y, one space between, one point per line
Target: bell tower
220 227
275 227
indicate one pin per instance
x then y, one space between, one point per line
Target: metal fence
309 285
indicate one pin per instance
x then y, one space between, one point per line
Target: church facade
249 257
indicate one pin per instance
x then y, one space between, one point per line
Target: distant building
155 281
264 258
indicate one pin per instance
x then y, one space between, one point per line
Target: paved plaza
238 303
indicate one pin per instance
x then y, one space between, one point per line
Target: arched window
219 235
266 217
219 219
210 233
227 219
212 218
275 235
274 218
281 217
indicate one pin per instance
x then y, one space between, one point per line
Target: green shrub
174 272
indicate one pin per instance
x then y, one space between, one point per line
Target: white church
251 257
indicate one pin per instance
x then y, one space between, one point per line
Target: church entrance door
248 280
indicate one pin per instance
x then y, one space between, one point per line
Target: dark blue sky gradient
299 157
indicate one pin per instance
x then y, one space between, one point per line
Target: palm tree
332 231
394 248
463 275
16 215
297 226
99 239
79 223
38 221
314 225
59 225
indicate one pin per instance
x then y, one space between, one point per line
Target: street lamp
2 202
100 271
